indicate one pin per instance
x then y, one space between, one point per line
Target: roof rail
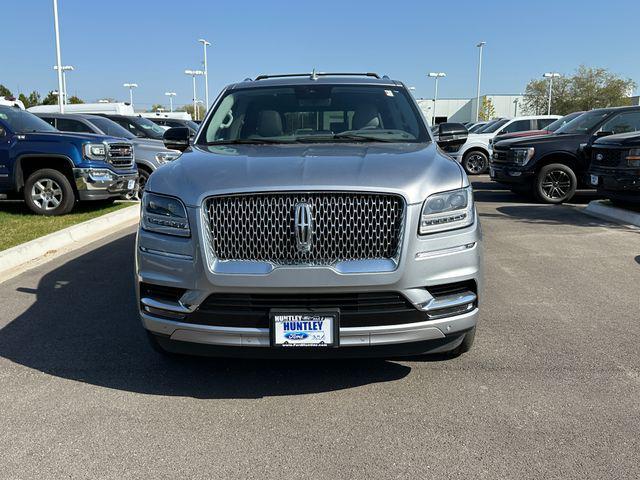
315 74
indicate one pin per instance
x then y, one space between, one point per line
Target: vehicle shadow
84 326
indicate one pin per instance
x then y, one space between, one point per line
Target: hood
413 170
148 144
631 139
526 133
532 141
70 136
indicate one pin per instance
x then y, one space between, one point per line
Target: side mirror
452 135
177 138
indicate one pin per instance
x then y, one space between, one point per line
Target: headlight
521 156
447 211
168 156
633 157
163 214
95 151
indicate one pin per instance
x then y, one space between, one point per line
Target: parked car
474 127
474 154
141 127
149 154
176 122
268 215
553 166
51 170
615 167
545 130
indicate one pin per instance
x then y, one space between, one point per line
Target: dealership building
464 109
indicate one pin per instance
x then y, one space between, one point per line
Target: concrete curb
20 258
605 209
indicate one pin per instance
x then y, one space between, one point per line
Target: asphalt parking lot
550 389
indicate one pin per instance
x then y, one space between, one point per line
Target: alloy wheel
556 184
46 194
475 163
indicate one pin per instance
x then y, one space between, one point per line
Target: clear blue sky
151 42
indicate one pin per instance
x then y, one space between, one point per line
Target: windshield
585 122
149 128
493 127
485 126
20 121
109 127
315 113
553 126
477 127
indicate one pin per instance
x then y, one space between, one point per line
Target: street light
437 76
130 86
550 76
58 55
194 74
65 69
480 46
170 95
515 102
205 44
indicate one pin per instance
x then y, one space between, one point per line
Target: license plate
131 184
305 328
594 180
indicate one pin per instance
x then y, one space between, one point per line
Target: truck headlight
521 156
168 156
95 151
633 157
162 214
447 211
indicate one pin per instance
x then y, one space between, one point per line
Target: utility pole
130 86
205 44
58 56
550 76
437 76
480 46
170 95
194 74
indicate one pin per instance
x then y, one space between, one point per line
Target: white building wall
464 109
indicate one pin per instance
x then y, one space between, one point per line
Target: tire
49 192
143 177
555 183
475 162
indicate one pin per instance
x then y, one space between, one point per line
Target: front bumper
618 184
446 258
506 173
103 183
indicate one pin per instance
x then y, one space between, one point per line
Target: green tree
586 89
50 99
487 110
32 100
156 106
75 100
5 92
189 109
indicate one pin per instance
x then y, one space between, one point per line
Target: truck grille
267 227
120 155
606 157
500 156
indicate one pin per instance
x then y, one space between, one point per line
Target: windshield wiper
246 141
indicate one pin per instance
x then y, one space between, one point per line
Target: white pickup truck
474 154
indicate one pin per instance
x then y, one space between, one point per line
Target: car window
69 125
318 113
21 121
51 121
493 127
517 126
561 122
544 123
584 123
623 123
109 127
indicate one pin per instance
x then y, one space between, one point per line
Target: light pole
130 86
480 47
194 74
58 55
205 44
515 112
170 95
550 76
437 76
65 69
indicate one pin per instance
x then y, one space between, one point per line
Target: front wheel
49 192
475 163
555 183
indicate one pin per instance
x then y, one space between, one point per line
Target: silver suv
313 216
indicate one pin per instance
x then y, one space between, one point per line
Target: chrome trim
169 306
449 301
247 267
161 253
92 179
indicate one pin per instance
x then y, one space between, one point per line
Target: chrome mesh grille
346 226
120 155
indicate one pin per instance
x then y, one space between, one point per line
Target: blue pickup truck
53 170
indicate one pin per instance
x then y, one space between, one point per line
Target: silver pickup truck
313 216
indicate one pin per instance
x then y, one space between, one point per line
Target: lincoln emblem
303 225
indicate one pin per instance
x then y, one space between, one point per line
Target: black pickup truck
553 166
615 167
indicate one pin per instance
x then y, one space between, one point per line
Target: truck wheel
555 183
475 162
143 177
49 192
